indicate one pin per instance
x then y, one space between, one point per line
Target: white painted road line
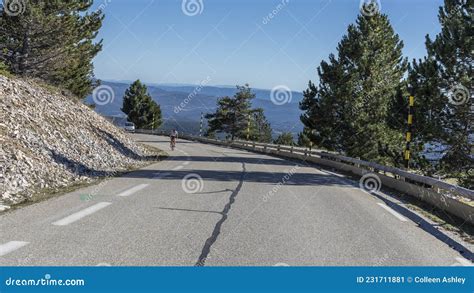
11 246
390 210
178 168
84 213
186 163
133 190
464 262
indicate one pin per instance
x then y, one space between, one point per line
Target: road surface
214 206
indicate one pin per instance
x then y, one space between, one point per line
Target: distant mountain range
283 118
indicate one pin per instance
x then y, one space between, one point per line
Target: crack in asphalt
217 228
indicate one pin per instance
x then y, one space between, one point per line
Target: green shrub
4 70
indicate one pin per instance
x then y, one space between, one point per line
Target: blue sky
233 42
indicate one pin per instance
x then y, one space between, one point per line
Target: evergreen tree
232 114
351 110
52 40
141 109
304 138
443 87
260 128
285 138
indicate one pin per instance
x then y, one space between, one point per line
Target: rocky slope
49 141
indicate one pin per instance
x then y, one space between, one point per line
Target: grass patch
6 73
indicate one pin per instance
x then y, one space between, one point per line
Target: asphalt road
214 206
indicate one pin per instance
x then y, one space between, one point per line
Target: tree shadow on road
122 148
237 160
78 168
303 179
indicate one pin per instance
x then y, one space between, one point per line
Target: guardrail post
291 150
278 148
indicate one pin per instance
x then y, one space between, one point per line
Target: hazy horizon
277 42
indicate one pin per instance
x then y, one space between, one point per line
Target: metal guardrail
449 197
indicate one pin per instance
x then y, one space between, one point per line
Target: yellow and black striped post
409 132
248 129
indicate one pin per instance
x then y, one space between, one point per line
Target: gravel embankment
49 141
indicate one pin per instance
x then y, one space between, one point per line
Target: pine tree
351 109
232 115
285 138
443 85
260 128
54 41
140 108
304 138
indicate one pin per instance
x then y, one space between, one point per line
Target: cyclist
173 136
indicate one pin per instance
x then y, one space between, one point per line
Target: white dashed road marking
178 168
11 246
397 215
133 190
84 213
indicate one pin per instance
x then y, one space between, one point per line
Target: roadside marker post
409 132
248 129
200 127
